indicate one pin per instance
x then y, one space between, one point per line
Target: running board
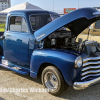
19 69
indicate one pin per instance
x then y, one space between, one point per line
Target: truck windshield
38 21
54 16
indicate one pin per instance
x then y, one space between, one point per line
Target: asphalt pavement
12 80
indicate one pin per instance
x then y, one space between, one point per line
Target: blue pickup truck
37 43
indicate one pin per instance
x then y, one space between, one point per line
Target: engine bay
63 39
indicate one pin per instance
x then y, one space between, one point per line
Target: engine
61 40
66 40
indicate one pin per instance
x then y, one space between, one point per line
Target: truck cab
36 43
19 34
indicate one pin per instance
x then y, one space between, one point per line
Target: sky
59 4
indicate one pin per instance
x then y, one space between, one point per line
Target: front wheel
53 80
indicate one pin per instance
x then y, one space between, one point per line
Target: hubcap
51 81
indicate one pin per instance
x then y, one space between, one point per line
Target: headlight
78 62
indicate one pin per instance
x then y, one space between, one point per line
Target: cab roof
30 11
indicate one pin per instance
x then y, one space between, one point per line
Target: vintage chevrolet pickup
36 43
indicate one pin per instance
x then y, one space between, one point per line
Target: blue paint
16 47
11 66
63 59
33 74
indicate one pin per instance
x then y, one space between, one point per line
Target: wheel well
44 65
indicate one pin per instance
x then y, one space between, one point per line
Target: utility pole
53 5
78 3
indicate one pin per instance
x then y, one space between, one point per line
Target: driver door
16 43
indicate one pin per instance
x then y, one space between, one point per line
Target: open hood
76 21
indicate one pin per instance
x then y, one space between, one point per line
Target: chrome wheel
51 81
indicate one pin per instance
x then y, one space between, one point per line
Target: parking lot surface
10 79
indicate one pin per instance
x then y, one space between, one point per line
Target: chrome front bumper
90 69
83 85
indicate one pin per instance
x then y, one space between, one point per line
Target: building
67 10
4 4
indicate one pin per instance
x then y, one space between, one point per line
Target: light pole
53 5
78 3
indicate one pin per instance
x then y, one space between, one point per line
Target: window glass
32 18
38 21
54 16
15 23
24 25
18 20
97 24
18 24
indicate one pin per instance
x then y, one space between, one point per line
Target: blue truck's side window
18 24
15 23
24 26
33 20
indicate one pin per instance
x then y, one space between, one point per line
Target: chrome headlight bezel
78 62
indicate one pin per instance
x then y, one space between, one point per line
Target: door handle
7 35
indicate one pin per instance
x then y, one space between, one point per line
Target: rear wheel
53 80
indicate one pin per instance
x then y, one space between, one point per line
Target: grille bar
90 75
91 67
91 72
91 63
91 58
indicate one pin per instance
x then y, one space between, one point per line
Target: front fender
63 59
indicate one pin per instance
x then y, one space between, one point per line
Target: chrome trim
76 62
91 67
90 42
90 72
83 85
51 81
88 63
7 63
91 58
90 75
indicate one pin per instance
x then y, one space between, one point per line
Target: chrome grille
91 67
